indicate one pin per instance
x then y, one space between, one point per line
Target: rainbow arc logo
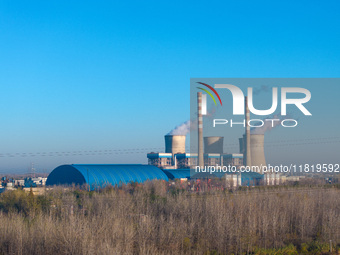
209 93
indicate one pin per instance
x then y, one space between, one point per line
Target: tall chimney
241 143
200 130
247 158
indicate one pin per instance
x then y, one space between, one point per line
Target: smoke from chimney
187 126
182 129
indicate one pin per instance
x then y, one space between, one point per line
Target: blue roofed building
177 173
99 176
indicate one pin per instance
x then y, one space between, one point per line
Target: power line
279 143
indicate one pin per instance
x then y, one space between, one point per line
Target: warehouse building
99 176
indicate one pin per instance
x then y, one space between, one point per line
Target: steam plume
182 129
185 127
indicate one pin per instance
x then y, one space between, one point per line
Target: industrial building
232 159
162 160
234 180
98 176
185 160
175 156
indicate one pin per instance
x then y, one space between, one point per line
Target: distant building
19 182
161 160
29 183
9 186
212 159
234 180
272 178
39 180
232 159
185 160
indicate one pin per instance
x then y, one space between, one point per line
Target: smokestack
247 157
174 144
200 130
257 150
241 143
213 144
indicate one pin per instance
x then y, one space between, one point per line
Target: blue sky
113 75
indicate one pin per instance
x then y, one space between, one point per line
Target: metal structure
185 160
233 159
160 159
99 176
212 159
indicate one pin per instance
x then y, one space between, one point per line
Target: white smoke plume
268 125
187 126
182 129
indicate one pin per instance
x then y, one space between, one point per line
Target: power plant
176 163
175 156
210 150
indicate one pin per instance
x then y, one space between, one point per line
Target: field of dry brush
157 219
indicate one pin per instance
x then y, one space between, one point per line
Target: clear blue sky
103 75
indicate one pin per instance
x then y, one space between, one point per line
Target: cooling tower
257 150
213 144
174 144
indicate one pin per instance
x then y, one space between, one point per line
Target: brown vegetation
157 219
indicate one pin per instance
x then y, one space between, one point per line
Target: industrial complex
176 163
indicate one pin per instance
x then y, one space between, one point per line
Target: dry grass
155 219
